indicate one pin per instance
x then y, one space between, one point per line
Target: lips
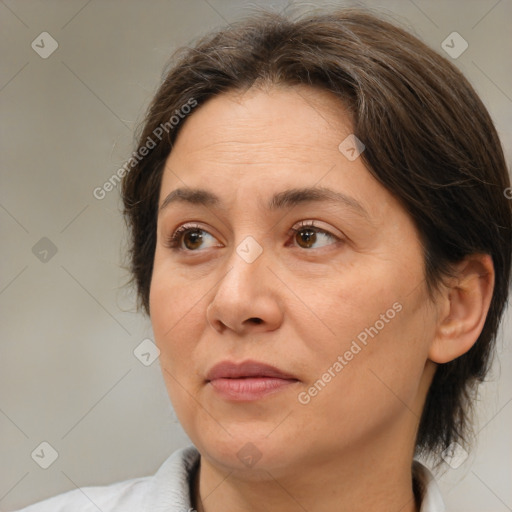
229 370
247 381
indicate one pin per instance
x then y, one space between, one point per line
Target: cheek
344 309
374 339
378 370
174 307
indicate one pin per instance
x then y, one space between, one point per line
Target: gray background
68 375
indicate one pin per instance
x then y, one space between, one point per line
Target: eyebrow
279 201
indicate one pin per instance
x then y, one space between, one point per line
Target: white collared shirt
168 490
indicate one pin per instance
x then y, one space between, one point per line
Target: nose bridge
243 293
246 264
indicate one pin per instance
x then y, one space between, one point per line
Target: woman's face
339 310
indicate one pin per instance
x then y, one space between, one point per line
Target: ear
463 305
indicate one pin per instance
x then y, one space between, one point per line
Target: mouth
247 381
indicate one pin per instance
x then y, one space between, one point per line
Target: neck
363 482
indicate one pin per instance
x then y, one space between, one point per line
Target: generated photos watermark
357 345
150 143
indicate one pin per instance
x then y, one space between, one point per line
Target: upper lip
231 370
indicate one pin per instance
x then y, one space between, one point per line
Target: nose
246 299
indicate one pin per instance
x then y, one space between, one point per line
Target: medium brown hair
429 141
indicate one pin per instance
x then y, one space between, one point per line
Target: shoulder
171 482
108 498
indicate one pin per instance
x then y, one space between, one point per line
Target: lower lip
249 388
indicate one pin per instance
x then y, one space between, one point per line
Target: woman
321 236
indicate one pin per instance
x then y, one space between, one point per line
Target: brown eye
309 236
192 239
305 237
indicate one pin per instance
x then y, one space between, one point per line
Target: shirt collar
169 490
431 499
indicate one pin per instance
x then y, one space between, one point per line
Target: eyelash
174 240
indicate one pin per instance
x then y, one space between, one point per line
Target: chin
249 453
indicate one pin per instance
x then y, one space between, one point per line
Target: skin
309 302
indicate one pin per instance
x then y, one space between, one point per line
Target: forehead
255 143
274 119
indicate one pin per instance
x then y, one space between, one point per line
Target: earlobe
464 304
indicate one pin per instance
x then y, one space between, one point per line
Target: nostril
256 320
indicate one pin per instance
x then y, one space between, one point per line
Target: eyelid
313 223
173 241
